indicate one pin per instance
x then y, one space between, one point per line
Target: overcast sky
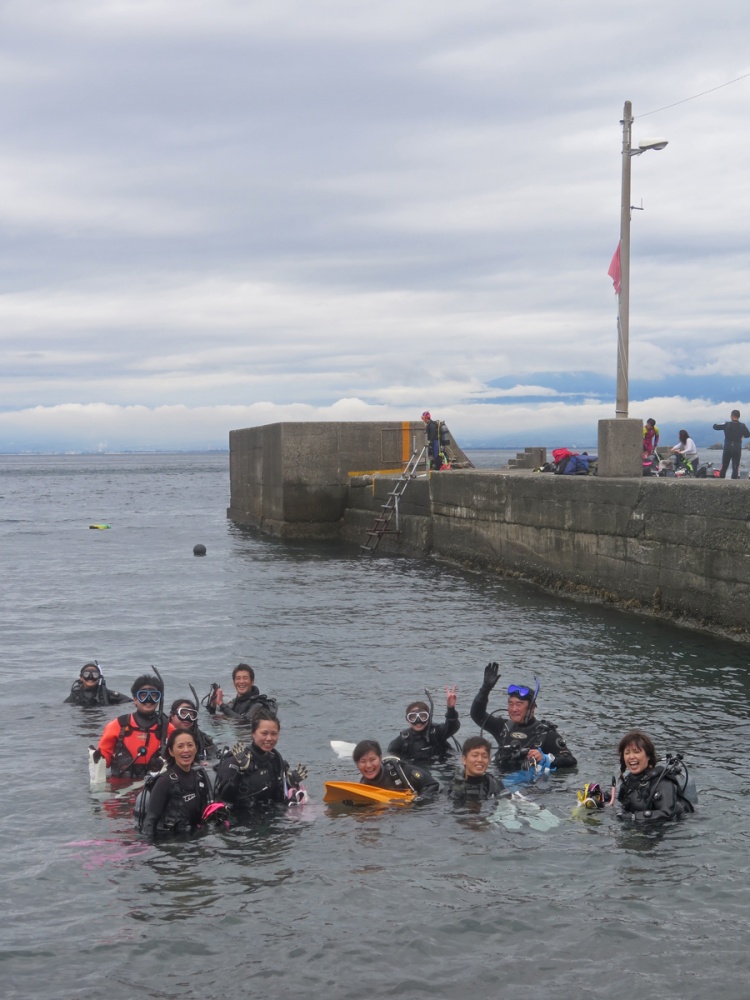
222 213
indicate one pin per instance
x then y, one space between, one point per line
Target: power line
694 97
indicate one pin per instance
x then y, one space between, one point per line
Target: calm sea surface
329 902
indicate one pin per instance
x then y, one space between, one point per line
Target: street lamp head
645 144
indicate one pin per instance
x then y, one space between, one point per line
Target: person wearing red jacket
133 745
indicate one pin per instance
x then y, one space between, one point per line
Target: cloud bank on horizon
219 214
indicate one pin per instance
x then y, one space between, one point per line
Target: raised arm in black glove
491 674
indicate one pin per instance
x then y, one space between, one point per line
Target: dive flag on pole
614 270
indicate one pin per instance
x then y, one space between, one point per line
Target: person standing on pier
734 432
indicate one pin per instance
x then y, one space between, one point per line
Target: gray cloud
329 208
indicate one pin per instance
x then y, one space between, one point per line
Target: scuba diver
133 745
176 800
255 774
392 773
651 792
184 715
249 700
425 740
524 742
90 689
472 782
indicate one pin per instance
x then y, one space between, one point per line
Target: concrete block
620 449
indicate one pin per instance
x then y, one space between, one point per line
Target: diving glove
491 674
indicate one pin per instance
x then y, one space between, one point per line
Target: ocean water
327 901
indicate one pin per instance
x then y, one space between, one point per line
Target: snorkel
197 701
432 710
532 703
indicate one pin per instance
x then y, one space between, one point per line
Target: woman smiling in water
649 792
256 774
176 801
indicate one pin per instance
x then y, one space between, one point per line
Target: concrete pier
678 548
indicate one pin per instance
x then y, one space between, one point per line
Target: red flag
614 271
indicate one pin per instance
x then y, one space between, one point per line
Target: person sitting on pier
685 452
424 740
249 700
524 742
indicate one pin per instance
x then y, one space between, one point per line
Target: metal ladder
390 507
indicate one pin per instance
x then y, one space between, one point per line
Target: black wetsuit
431 742
514 740
176 801
252 778
206 746
432 433
397 775
651 797
90 697
243 707
475 789
734 432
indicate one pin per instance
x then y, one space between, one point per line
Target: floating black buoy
199 550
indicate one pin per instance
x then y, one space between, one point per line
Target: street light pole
621 439
623 318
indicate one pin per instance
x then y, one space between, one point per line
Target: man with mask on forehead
524 742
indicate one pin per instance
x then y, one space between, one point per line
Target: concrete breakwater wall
674 547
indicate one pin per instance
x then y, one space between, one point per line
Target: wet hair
683 436
244 666
146 680
180 702
263 715
173 736
417 706
366 746
476 743
735 413
638 739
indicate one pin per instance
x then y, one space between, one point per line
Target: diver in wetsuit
175 800
249 700
91 689
392 773
132 745
734 432
184 715
650 792
472 781
524 742
256 774
425 740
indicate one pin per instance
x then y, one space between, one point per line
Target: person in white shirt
685 451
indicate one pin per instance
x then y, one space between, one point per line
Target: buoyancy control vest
660 793
250 777
464 789
136 747
100 695
516 740
184 805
